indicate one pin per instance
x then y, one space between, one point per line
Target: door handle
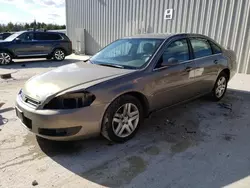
188 69
215 61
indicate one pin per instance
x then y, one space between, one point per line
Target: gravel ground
199 144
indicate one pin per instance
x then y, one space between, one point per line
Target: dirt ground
199 144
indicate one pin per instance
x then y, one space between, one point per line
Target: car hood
67 77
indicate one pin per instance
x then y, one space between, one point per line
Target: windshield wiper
86 60
111 65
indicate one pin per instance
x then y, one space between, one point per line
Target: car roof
151 35
53 32
21 32
165 35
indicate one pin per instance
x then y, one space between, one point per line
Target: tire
122 119
59 55
5 58
220 87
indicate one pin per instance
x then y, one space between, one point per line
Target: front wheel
220 87
5 58
122 119
59 55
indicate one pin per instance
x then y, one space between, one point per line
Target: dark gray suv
34 44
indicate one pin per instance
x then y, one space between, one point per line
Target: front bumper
53 124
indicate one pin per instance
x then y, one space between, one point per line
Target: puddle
137 165
153 150
104 175
181 146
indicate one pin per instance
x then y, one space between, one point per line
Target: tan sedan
112 92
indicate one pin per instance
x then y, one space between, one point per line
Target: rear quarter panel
232 61
63 44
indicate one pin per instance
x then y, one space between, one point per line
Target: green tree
24 26
10 26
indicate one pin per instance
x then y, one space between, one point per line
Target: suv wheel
59 55
122 119
5 58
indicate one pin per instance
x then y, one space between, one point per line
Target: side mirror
171 61
18 40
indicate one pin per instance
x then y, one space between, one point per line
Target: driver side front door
174 83
24 47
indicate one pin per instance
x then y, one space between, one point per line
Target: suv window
216 49
47 36
54 36
26 37
178 50
201 47
41 36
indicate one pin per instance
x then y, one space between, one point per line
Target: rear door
46 42
207 64
174 83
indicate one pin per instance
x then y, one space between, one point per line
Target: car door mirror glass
18 40
171 61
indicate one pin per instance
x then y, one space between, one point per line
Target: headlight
71 101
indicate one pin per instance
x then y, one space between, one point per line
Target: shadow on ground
198 144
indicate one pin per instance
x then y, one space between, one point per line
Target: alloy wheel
5 58
125 120
59 55
221 87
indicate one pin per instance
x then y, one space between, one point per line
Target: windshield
131 53
13 36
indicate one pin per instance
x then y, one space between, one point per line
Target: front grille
29 100
32 101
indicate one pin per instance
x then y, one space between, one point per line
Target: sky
21 11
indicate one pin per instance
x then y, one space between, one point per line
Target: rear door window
201 47
55 36
216 49
178 50
47 36
41 36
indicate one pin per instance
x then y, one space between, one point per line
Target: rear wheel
59 55
5 58
220 87
122 119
